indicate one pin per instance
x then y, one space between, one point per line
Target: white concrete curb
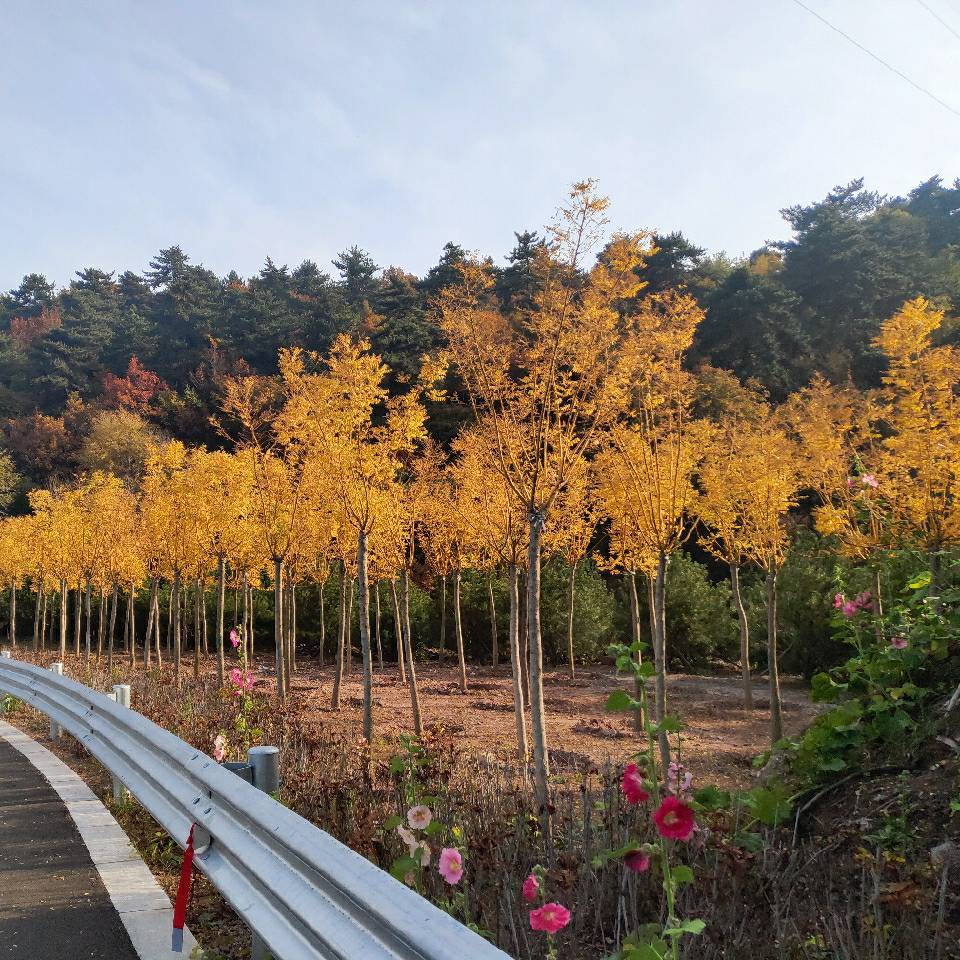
143 906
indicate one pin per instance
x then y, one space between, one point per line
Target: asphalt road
53 905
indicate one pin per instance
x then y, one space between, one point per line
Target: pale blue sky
294 129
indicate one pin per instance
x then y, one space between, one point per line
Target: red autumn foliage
24 330
137 391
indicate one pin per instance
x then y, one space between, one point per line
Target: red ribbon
183 895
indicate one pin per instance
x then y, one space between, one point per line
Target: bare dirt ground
719 743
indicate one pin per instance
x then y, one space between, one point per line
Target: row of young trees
585 415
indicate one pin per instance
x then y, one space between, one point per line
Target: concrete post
55 731
120 695
5 655
266 777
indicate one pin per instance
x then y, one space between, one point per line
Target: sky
296 128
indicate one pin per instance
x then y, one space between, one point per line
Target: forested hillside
91 372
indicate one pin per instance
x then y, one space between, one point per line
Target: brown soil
719 743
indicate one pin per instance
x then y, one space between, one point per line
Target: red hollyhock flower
632 785
674 819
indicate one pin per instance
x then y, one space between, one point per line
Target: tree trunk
175 622
443 614
348 633
737 597
776 720
407 654
877 606
64 599
197 601
538 720
114 600
376 622
13 615
660 654
458 626
156 624
631 578
365 649
101 624
46 620
132 622
398 630
524 646
280 658
571 593
77 619
341 639
323 624
513 582
151 624
221 603
492 607
37 610
88 635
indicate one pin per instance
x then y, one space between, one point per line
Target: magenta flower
235 638
850 609
550 918
838 601
637 861
674 819
869 480
450 865
531 888
678 781
631 783
242 681
899 643
850 482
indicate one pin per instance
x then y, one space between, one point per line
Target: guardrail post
55 731
121 695
5 655
266 777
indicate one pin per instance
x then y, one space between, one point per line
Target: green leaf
620 700
711 797
670 724
695 927
397 764
920 580
391 823
823 689
402 866
433 828
682 874
832 764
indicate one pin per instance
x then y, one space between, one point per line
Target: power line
936 16
880 60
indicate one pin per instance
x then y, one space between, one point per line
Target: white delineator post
266 777
4 655
121 694
55 731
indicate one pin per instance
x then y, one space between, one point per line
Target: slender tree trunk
13 615
513 582
280 658
737 597
348 634
323 624
458 626
169 617
246 616
776 720
101 624
376 622
221 603
364 613
132 623
660 653
407 653
64 599
37 613
175 623
571 593
524 646
46 621
877 605
293 627
114 600
398 630
77 619
631 578
151 617
492 607
197 601
342 628
156 624
443 614
88 634
538 720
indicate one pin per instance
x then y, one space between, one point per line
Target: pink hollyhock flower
219 748
531 888
850 482
838 601
419 817
850 609
637 861
899 643
408 838
242 681
550 918
864 600
869 480
423 849
631 783
450 865
678 781
674 819
235 638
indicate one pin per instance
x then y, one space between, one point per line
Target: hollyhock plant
838 601
674 819
678 781
550 918
637 862
450 865
419 817
234 638
869 480
899 643
631 783
531 888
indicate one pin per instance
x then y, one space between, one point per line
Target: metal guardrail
305 894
